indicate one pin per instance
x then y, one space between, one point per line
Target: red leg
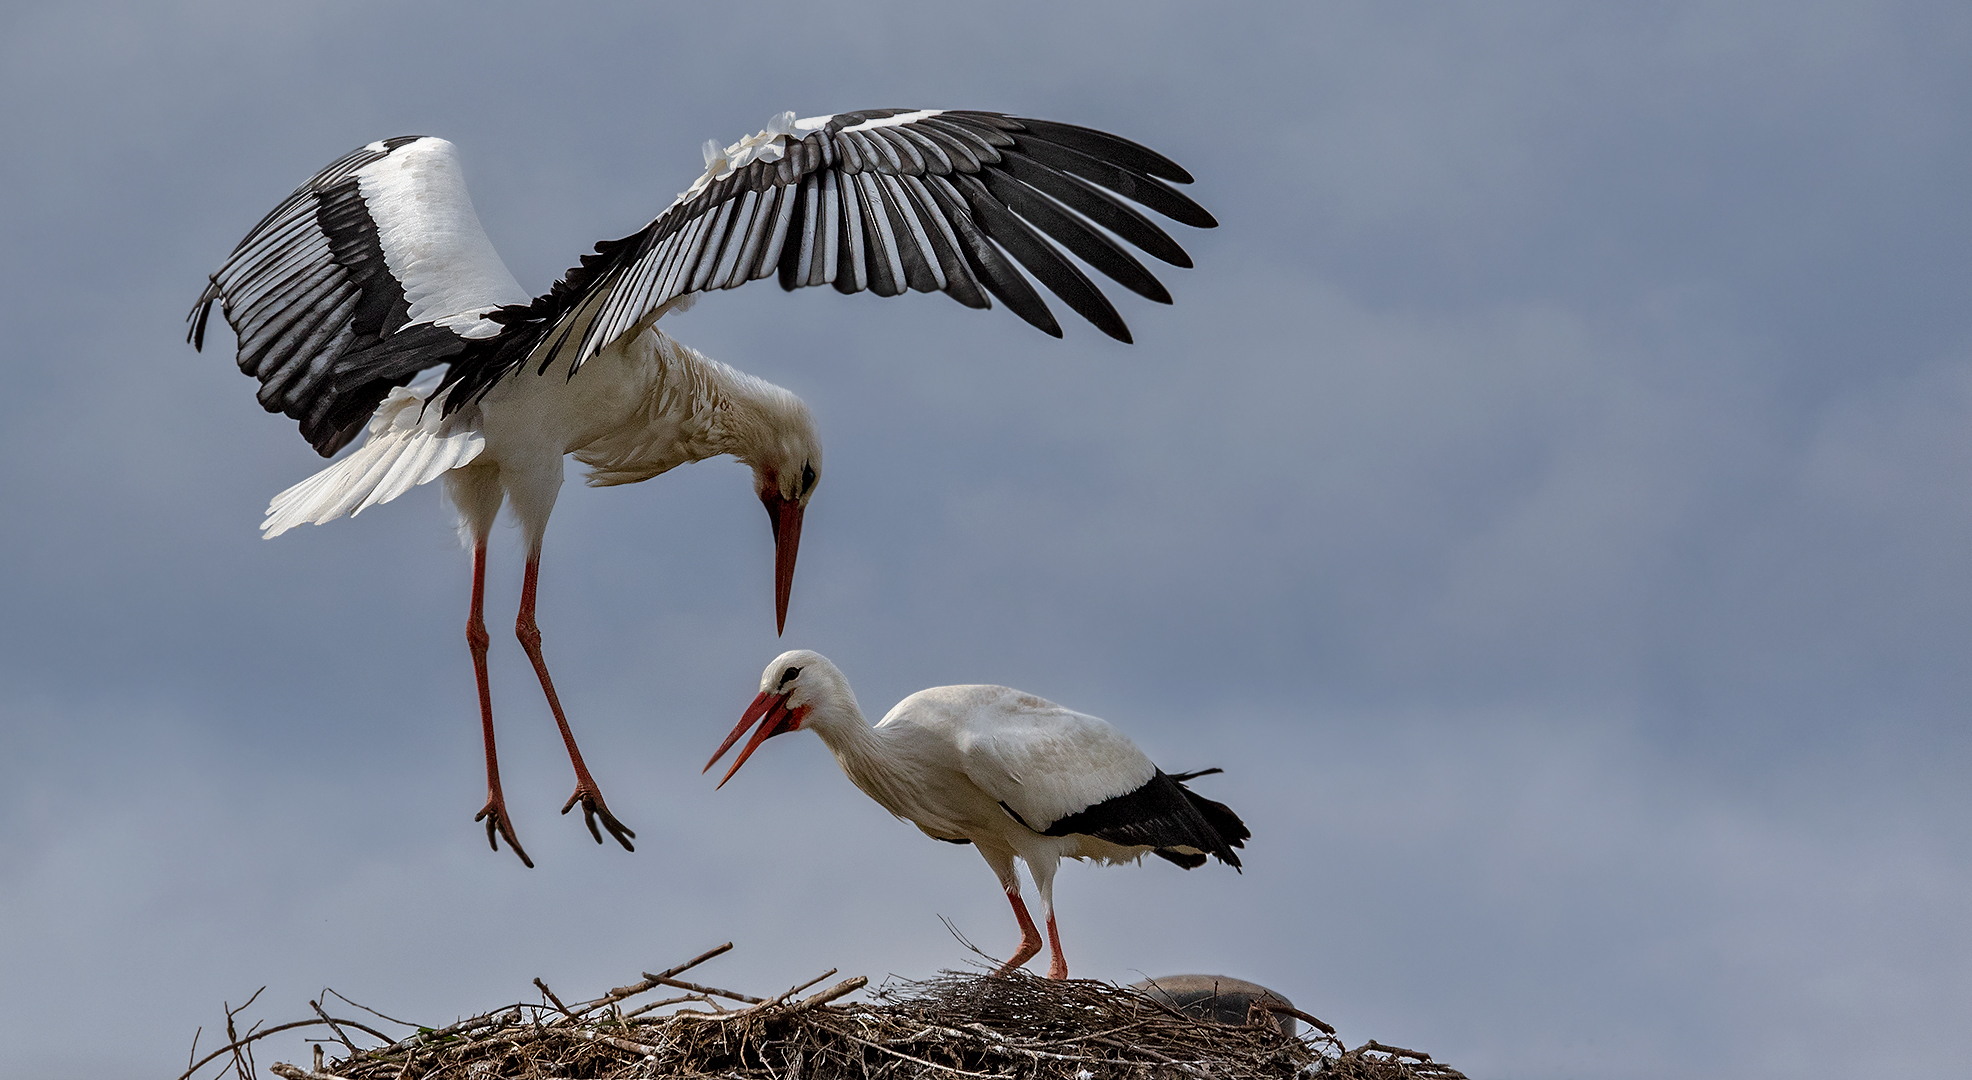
1030 938
1058 969
495 811
586 792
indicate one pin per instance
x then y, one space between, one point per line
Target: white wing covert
372 271
1044 763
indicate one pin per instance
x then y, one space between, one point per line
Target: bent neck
873 762
725 409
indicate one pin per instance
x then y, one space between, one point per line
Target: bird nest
954 1025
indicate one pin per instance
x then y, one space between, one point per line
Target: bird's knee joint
477 637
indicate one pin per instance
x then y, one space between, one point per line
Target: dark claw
495 815
592 806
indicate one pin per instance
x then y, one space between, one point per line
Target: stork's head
777 440
800 686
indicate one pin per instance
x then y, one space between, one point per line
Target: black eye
788 675
807 478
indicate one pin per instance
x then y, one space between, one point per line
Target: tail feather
408 445
1225 825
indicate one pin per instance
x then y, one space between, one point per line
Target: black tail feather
1231 832
1164 815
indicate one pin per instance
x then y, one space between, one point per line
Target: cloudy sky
1547 499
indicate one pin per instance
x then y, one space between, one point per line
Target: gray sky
1547 500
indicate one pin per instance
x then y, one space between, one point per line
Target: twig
290 1072
846 986
421 1036
953 930
240 1042
1144 1050
551 997
642 1009
332 990
650 981
999 1044
611 1040
1094 1034
1398 1051
697 989
1274 1006
240 1064
920 1061
806 985
317 1006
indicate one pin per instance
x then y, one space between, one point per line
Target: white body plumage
1010 773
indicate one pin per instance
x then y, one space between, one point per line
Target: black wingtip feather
1126 182
1122 151
1042 260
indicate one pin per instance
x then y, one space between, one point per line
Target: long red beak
778 719
785 516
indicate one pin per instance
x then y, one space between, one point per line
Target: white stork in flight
1004 771
371 299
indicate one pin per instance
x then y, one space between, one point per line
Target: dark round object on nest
1214 997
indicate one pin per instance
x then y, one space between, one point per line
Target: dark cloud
1546 499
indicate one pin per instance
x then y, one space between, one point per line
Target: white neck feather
691 408
879 765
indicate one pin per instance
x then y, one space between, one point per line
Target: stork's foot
1030 937
494 813
594 807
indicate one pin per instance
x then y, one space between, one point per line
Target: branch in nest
650 982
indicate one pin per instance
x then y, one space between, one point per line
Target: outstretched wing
372 271
888 200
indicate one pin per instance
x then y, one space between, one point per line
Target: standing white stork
1007 772
372 294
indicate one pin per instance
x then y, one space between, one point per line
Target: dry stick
697 989
421 1036
290 1072
999 1044
790 992
846 986
611 1040
651 981
1065 1042
317 1006
551 997
1397 1050
953 930
1275 1006
920 1061
642 1009
234 1046
232 1033
1145 1050
326 990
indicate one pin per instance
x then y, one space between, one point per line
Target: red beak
785 516
778 719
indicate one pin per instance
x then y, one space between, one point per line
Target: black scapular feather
1166 816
